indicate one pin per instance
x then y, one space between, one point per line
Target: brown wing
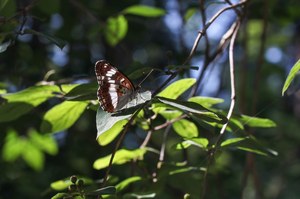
115 89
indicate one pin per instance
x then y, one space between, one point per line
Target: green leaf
22 102
199 142
60 195
175 89
249 144
291 76
44 142
121 157
189 13
109 126
192 107
57 41
103 191
4 45
3 4
63 184
62 116
83 92
206 101
115 30
232 141
144 11
49 7
33 156
60 184
185 128
186 169
13 146
257 122
125 183
170 114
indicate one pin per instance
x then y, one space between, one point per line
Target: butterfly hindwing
115 89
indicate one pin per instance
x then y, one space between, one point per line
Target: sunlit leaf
257 122
22 102
122 156
206 101
291 76
116 29
33 156
177 88
170 114
62 116
232 141
185 128
45 142
125 183
198 142
145 11
109 125
13 146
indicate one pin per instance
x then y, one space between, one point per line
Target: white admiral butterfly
115 89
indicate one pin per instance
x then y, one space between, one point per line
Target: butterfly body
115 89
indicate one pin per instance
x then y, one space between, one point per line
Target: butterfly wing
115 89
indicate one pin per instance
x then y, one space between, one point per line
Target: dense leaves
170 141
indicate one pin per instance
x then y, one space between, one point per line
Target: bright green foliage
122 156
144 11
291 76
30 148
125 183
185 128
177 88
62 116
116 29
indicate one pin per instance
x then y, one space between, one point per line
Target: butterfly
115 89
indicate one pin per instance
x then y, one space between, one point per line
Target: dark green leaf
192 107
2 4
57 41
249 144
115 30
62 116
189 13
83 92
291 76
60 195
144 11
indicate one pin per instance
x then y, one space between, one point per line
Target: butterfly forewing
115 89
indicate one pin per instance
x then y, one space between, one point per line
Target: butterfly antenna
139 85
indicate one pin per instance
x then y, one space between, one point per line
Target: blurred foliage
50 117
